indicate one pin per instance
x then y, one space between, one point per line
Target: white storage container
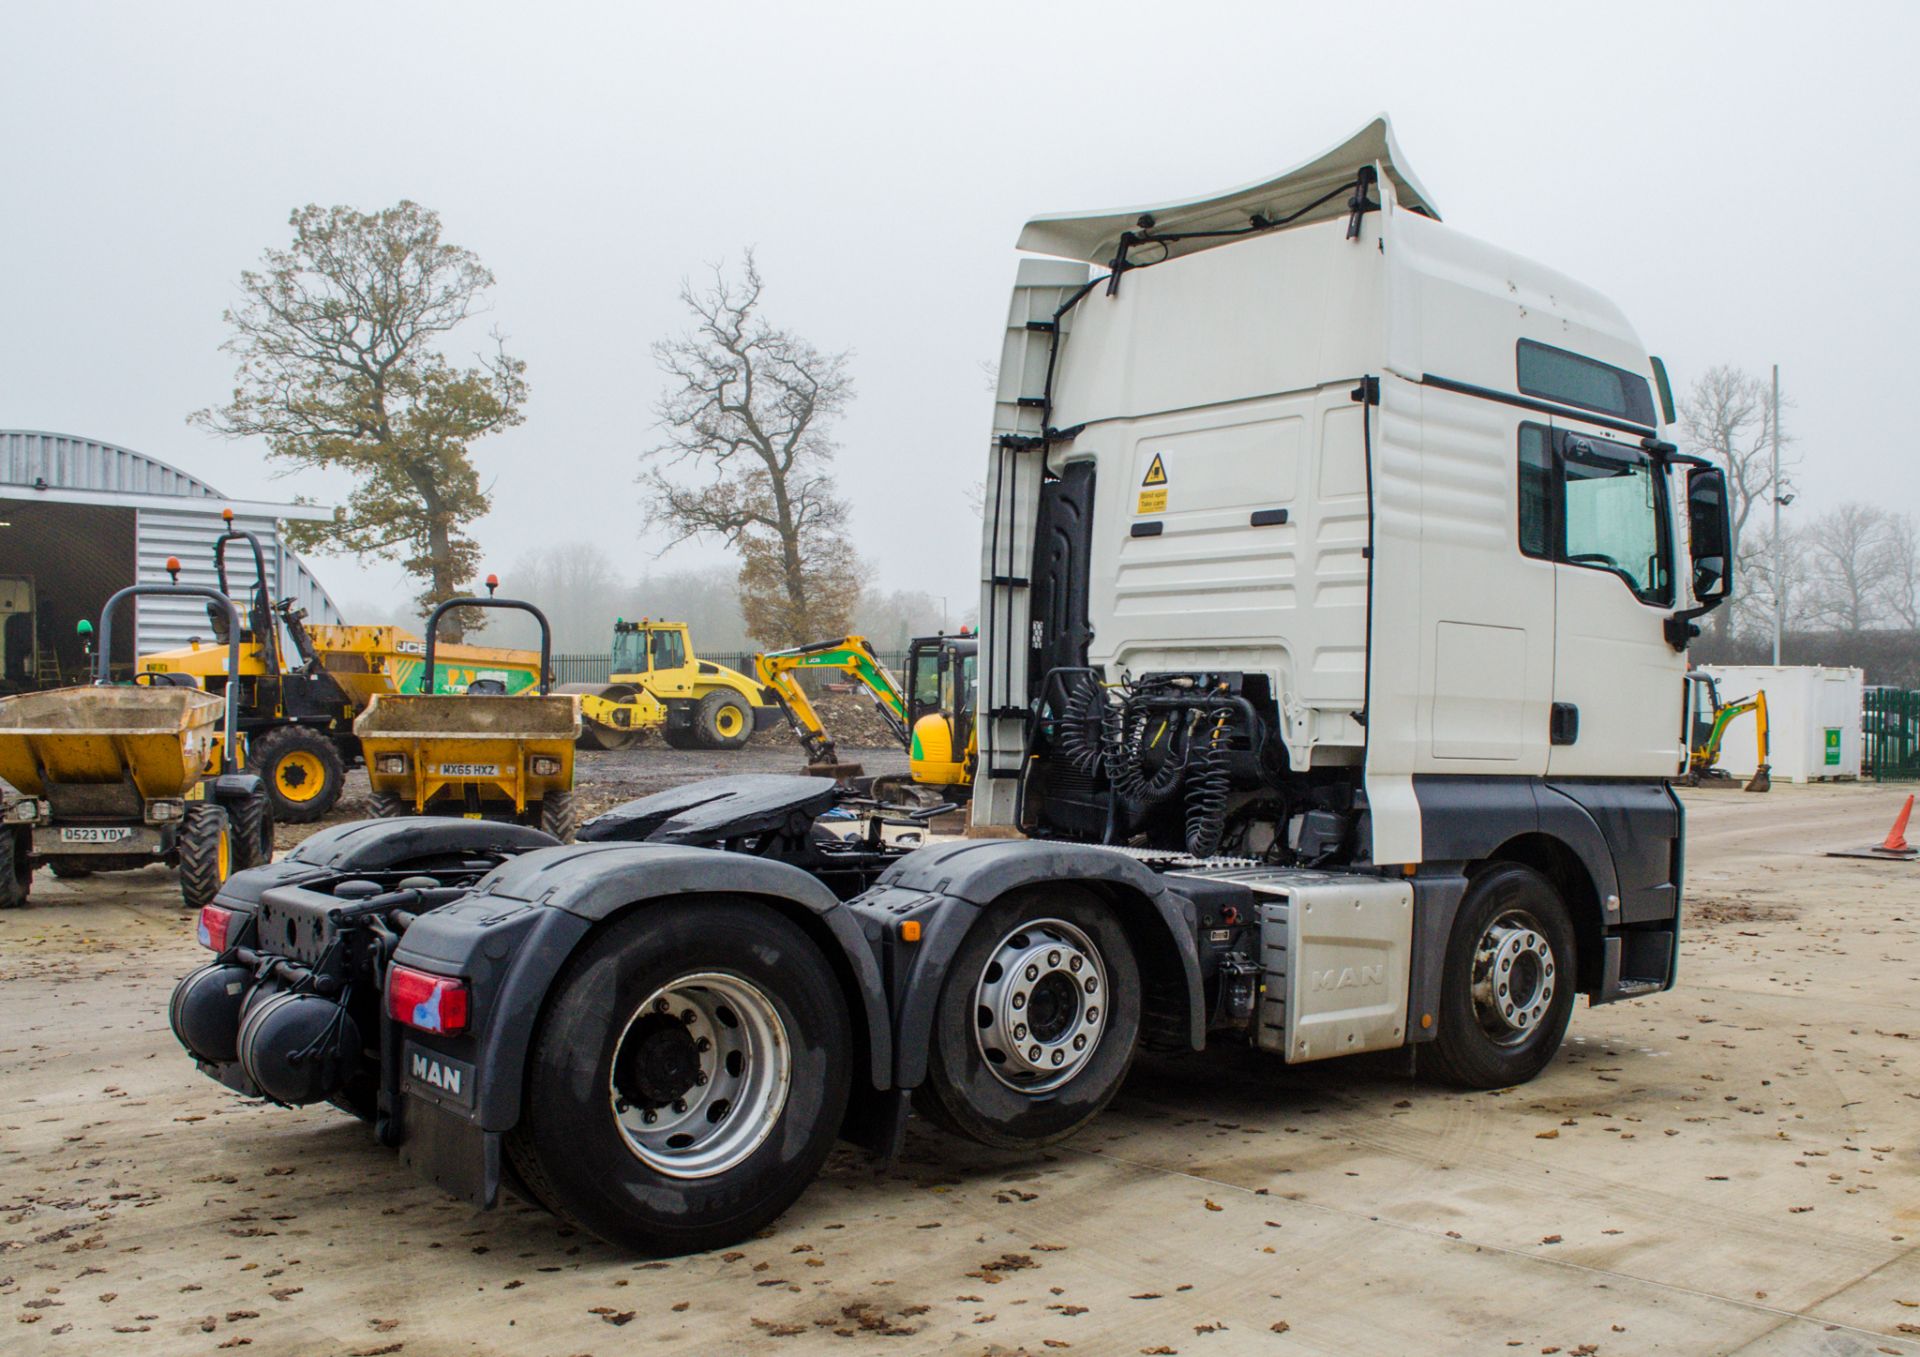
1813 719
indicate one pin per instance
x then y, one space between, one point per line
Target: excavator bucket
1760 781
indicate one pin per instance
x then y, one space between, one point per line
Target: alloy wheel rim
1514 977
701 1074
1040 1006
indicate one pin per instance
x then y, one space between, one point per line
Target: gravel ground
1727 1167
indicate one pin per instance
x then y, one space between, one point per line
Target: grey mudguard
946 886
1464 819
529 915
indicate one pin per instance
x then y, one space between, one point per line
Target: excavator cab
941 682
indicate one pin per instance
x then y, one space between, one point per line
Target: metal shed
83 518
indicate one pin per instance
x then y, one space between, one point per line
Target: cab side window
668 652
1595 503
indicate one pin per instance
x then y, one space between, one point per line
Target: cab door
1618 684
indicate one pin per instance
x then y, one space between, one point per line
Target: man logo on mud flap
435 1075
1351 977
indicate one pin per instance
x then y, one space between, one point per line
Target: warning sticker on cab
1153 500
469 770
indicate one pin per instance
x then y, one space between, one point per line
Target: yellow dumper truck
112 778
481 754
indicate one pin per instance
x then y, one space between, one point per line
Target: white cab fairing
1390 607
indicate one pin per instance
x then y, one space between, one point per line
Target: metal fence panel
1890 727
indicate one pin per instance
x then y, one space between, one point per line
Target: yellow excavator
1707 721
658 682
932 717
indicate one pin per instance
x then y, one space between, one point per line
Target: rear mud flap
452 1153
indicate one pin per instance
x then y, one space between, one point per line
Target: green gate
1890 733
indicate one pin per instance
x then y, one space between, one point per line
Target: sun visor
1095 236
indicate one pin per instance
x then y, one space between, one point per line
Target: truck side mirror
1710 531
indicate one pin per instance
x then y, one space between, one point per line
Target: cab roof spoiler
1309 192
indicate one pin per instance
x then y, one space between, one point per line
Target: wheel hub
1040 1005
700 1075
1514 976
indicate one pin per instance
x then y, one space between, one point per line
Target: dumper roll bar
433 633
268 642
103 674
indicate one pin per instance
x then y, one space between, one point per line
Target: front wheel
1037 1021
389 805
303 771
1507 993
16 867
205 847
556 815
688 1078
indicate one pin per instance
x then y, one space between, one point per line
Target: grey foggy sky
1738 177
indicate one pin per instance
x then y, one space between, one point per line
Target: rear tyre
16 870
69 869
252 822
688 1078
302 769
687 737
723 721
1036 1023
1509 984
557 815
205 847
388 805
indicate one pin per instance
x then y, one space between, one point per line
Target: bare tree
750 408
1772 576
1903 571
1851 566
1728 417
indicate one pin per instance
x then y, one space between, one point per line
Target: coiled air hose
1209 780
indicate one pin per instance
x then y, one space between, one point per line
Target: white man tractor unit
1336 584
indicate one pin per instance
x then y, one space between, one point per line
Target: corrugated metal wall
169 622
183 520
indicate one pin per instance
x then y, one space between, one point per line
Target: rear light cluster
390 763
215 924
545 765
431 1003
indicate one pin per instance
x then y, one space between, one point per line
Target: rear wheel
302 769
723 720
688 1079
252 819
205 847
557 815
16 871
1509 984
388 805
1036 1022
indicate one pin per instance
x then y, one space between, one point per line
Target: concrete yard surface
1730 1167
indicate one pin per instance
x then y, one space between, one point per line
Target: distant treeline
1887 657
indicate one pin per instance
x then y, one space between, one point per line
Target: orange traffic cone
1896 840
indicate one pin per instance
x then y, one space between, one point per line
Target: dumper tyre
556 815
723 720
303 771
388 805
16 868
205 849
1037 1020
686 737
70 869
1508 988
724 1021
252 818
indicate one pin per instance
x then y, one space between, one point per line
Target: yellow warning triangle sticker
1156 474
